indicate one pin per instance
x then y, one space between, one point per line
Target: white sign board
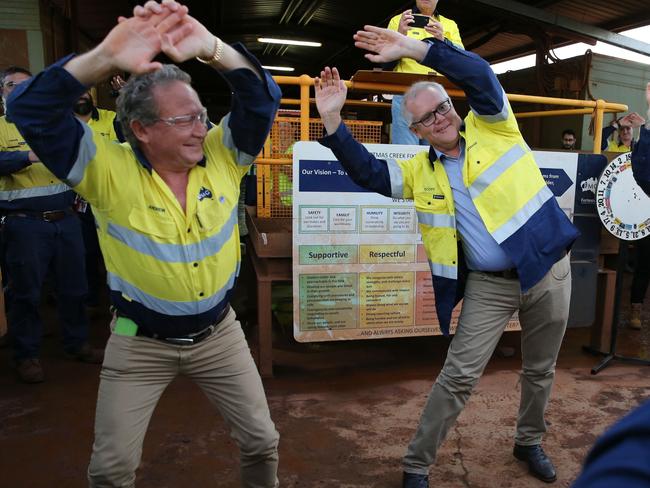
359 267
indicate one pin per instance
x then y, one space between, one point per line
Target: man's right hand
331 93
33 158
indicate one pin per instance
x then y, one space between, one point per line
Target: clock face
623 207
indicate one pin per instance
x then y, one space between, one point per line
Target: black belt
189 339
511 273
508 274
47 215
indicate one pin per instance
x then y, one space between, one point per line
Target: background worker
438 27
41 231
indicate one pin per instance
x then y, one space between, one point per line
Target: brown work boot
30 371
87 354
635 316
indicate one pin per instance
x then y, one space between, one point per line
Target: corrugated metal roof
490 32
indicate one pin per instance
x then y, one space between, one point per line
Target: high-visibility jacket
504 181
103 122
408 65
25 185
169 270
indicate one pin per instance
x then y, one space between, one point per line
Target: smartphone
420 20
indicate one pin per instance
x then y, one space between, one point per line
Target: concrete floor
345 412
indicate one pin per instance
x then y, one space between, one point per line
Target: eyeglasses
430 118
186 121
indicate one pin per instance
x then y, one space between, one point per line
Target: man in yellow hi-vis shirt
166 211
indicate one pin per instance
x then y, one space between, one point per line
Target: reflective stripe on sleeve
87 151
396 178
38 191
242 158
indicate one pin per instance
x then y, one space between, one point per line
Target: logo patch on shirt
438 197
157 209
204 193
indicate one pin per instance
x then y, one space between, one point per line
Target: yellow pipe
598 125
304 107
549 113
363 103
274 161
599 107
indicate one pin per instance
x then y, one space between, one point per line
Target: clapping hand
134 42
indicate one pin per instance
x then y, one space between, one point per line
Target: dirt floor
345 412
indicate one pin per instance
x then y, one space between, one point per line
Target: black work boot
539 465
411 480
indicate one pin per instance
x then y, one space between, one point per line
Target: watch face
623 207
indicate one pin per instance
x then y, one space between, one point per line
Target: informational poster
359 268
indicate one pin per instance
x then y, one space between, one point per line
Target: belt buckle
180 341
47 215
191 339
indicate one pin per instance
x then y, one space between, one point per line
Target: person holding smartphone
421 22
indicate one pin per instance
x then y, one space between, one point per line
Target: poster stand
611 354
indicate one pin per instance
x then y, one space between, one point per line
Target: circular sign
623 207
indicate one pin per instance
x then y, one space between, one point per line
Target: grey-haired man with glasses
166 212
493 232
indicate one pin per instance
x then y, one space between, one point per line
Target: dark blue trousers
33 246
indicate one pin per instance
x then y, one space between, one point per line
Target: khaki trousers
135 373
488 305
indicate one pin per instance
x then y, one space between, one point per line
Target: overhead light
271 40
279 68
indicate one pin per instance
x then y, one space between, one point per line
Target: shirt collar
142 159
434 154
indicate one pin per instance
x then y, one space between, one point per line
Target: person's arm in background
13 161
621 456
607 133
364 169
641 154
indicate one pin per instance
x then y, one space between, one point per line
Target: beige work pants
135 373
488 305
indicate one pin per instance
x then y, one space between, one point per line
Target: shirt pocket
154 243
